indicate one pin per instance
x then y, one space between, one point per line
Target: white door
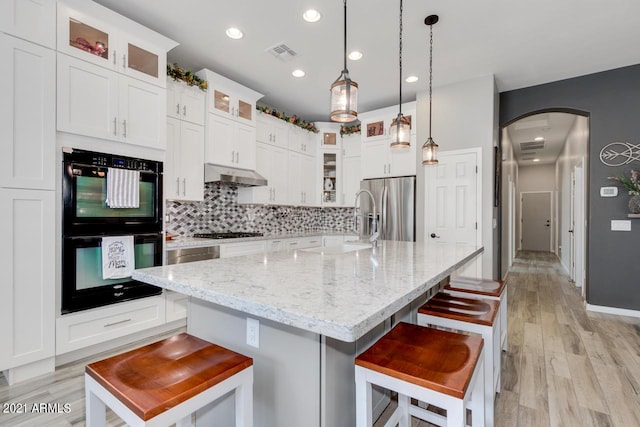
374 159
192 169
308 180
572 226
296 174
580 227
452 202
217 150
536 221
512 221
245 146
142 113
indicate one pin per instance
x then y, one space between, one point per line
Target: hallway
565 366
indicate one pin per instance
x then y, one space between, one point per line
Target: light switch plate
620 225
253 332
608 191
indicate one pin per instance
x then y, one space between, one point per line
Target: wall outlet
253 332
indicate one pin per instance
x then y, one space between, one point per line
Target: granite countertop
342 296
185 242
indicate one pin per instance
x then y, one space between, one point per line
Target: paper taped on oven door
118 258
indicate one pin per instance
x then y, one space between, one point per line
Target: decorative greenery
631 183
294 120
348 130
178 73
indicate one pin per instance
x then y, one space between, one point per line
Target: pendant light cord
345 36
430 73
400 67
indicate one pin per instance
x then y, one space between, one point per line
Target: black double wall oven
87 220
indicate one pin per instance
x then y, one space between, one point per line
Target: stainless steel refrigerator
395 200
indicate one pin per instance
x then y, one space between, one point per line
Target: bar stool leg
96 410
456 414
403 406
364 416
244 400
477 403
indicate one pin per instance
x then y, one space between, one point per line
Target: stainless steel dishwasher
181 256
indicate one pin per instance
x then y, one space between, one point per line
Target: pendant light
430 148
344 91
400 126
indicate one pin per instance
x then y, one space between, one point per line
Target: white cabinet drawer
176 308
79 330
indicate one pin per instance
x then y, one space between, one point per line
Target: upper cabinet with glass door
229 99
98 35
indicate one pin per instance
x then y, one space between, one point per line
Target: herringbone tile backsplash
221 212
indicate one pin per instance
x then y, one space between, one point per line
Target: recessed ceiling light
311 15
298 73
355 55
536 160
539 138
411 79
234 33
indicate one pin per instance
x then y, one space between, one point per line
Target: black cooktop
227 235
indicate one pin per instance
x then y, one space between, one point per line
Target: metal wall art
620 153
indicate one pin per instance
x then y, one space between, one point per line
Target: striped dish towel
123 188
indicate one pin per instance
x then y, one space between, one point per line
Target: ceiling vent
283 52
532 145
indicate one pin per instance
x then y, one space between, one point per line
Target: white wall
574 151
464 116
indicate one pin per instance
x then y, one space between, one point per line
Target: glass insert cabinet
329 178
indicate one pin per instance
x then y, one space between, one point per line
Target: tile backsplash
220 212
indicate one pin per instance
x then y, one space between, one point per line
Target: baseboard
613 310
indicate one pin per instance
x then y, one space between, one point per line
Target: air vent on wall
532 145
281 51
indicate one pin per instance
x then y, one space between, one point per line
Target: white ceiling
553 128
523 43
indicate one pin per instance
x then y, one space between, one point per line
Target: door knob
434 236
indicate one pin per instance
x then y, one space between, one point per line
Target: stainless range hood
232 176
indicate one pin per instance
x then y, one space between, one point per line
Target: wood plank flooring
564 366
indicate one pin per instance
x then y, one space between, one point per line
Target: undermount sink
341 249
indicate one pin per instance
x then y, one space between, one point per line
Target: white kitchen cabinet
90 327
228 250
328 241
301 179
351 145
27 262
229 99
304 242
185 102
271 163
230 143
33 20
379 160
302 141
27 115
104 38
331 177
272 130
175 306
184 166
100 103
351 177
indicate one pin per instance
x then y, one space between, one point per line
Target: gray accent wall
611 99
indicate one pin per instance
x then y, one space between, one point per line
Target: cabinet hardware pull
184 186
124 128
232 154
178 109
114 57
237 157
177 186
270 194
184 110
385 168
124 61
119 322
115 126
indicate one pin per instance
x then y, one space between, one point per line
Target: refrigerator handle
382 227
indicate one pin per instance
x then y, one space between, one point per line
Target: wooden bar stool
470 287
165 382
474 316
438 367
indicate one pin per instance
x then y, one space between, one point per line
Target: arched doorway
543 190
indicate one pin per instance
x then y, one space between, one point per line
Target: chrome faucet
374 224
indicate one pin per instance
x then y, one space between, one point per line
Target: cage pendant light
400 127
344 91
430 148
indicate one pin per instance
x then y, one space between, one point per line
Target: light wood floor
564 366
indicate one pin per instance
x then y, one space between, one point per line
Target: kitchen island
317 309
